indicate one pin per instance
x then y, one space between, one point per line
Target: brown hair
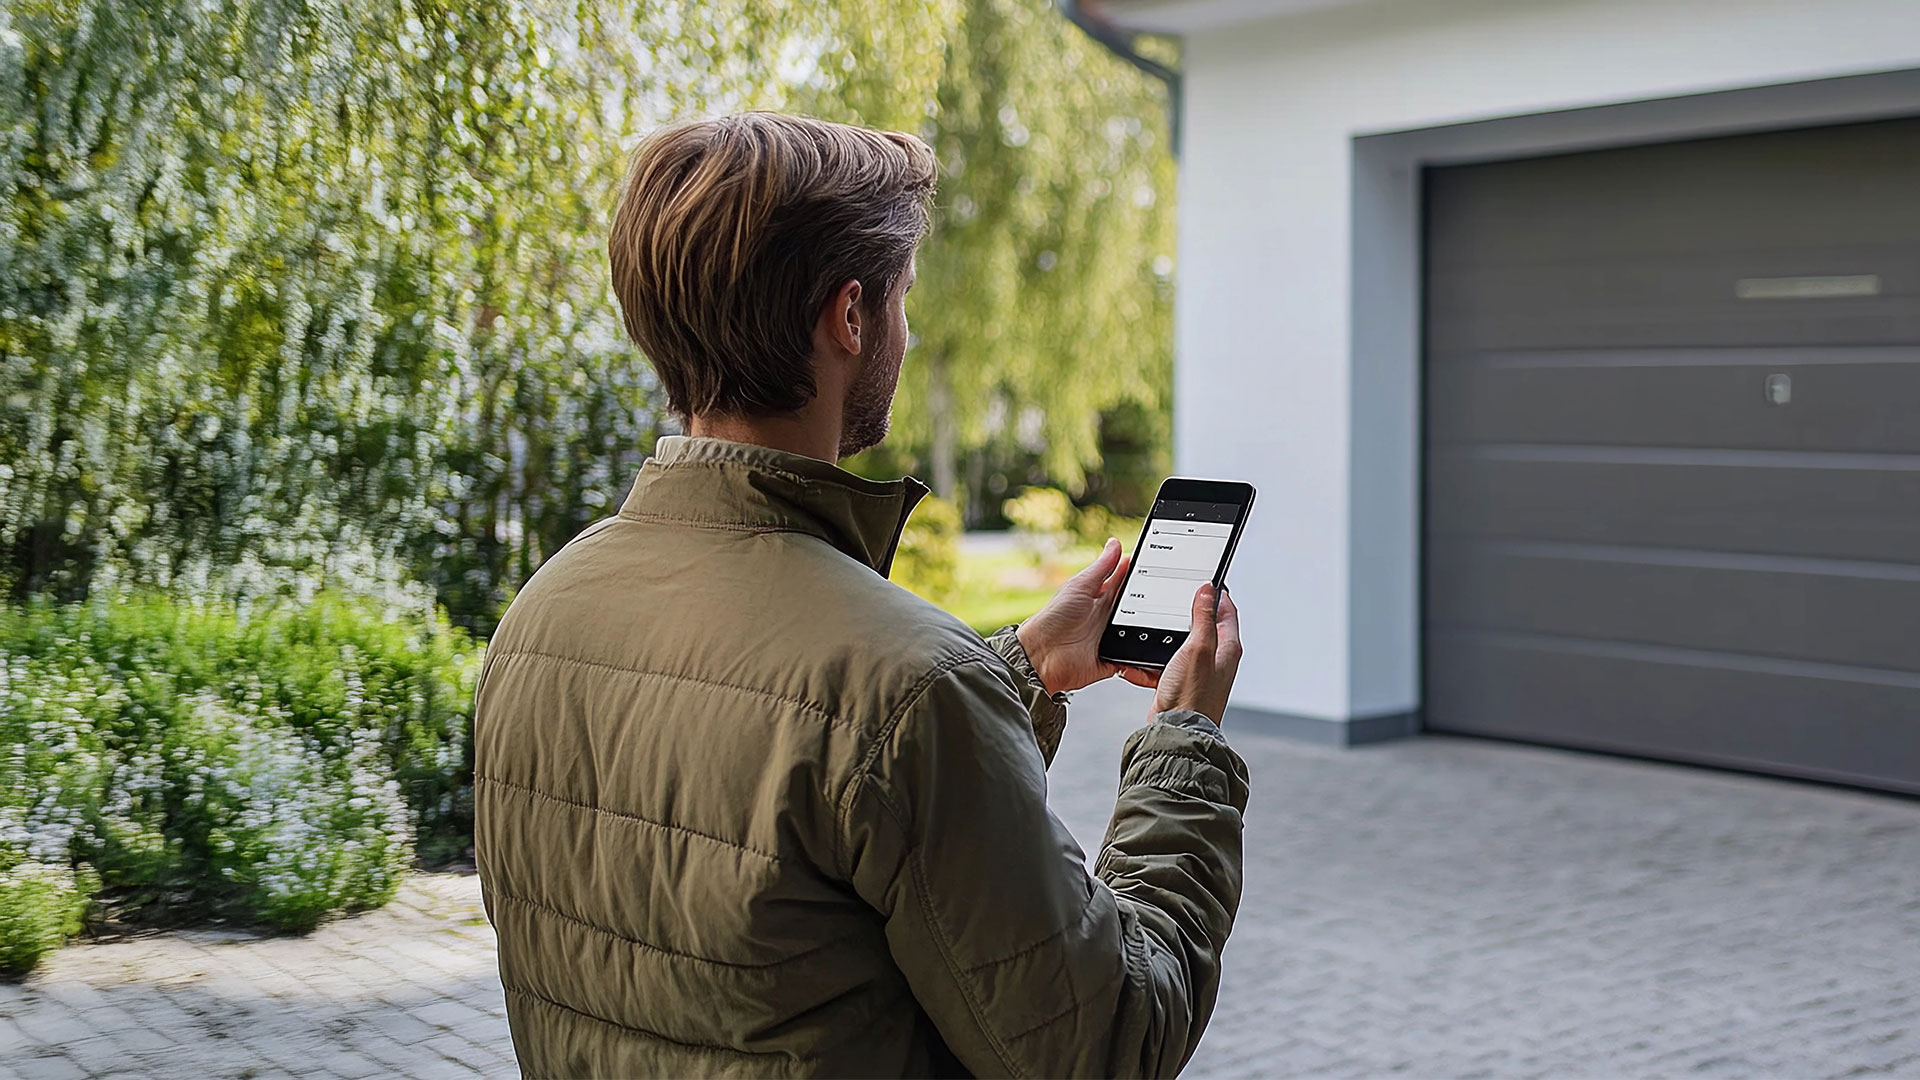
732 234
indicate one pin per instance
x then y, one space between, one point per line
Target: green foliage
297 297
1040 511
40 907
929 551
1047 523
1044 299
273 765
1093 524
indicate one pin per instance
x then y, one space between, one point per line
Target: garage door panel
1793 723
1649 305
1804 191
1850 400
1836 513
1842 613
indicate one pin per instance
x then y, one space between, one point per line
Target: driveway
1432 908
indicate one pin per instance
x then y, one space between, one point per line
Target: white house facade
1574 349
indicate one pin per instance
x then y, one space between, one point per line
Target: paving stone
52 1024
349 1065
449 1014
46 1068
442 1069
461 1049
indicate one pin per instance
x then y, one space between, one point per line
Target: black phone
1188 540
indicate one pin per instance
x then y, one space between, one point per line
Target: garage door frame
1386 332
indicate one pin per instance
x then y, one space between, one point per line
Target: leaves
1044 296
298 296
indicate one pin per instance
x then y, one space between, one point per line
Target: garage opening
1672 496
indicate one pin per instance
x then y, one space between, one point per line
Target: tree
297 295
1045 294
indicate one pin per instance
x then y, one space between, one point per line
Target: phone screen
1186 543
1181 551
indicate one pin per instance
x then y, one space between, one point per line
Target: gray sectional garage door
1673 467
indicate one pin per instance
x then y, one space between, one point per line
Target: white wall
1297 328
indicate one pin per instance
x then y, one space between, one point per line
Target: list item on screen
1177 558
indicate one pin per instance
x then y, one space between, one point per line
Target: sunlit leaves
296 295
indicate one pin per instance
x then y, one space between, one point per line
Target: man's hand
1200 675
1063 638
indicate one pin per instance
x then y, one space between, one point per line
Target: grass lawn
1001 587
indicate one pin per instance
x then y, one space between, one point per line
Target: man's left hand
1063 638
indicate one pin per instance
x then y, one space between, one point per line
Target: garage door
1673 452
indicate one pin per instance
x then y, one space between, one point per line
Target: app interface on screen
1183 546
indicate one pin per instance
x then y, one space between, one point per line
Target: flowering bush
195 759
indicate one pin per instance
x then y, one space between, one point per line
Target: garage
1672 451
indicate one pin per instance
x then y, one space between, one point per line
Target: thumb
1101 567
1204 637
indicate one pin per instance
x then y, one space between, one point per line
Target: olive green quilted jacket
745 808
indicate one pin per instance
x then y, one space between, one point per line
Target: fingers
1146 677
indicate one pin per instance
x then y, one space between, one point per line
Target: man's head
754 255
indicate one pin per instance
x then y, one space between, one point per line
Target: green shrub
40 906
1040 511
273 765
1048 523
929 555
1092 525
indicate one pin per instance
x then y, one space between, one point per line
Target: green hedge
194 760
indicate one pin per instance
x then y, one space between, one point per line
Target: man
744 806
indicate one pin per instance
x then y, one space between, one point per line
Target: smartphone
1188 540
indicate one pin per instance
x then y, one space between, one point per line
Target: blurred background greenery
308 359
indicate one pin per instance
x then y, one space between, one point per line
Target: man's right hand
1200 675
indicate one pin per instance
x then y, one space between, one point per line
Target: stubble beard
868 414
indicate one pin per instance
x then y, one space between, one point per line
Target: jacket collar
722 484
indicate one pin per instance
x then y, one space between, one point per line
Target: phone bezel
1155 654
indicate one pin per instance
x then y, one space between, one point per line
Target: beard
868 414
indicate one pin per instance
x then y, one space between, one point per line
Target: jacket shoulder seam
674 676
624 815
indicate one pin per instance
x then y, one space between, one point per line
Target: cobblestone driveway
1429 908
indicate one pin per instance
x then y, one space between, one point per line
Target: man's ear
840 320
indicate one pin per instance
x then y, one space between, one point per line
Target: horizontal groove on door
1681 657
1698 357
1704 560
1671 456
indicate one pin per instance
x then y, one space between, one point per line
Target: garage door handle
1779 389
